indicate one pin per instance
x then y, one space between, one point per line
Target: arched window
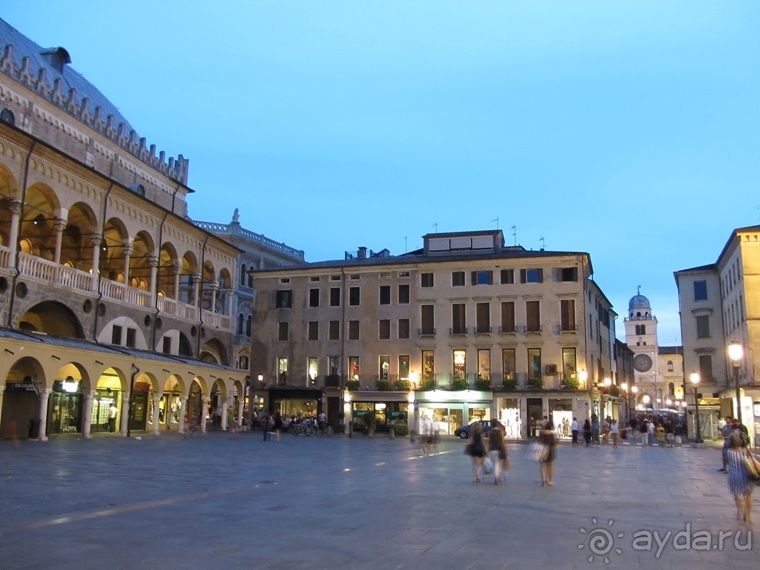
240 323
7 117
242 275
670 367
248 325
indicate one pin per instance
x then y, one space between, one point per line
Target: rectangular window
313 297
116 332
700 290
507 276
482 277
384 329
282 331
457 279
483 317
385 367
284 299
703 327
353 330
403 328
167 345
314 279
460 365
568 274
312 366
313 331
508 363
131 334
403 367
428 365
353 296
508 316
385 294
335 296
333 365
567 314
282 371
428 319
531 276
705 367
484 364
353 367
403 294
533 315
333 332
426 279
569 364
458 319
534 363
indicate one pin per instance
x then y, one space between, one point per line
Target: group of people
594 433
493 446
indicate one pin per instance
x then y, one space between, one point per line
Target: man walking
575 429
725 431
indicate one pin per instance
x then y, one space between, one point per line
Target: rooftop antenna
514 233
497 222
435 225
543 243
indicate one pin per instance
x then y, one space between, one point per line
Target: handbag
535 450
752 467
487 466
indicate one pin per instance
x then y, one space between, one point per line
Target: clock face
642 362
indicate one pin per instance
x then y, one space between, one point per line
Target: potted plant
427 384
509 384
536 383
482 384
459 384
369 423
352 385
572 383
384 385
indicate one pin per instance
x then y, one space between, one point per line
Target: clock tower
641 338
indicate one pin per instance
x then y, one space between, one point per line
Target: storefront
295 402
452 409
524 415
65 408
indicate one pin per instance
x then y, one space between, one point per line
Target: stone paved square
210 502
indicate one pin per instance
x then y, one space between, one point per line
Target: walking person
277 426
726 430
587 432
739 482
548 438
614 432
476 449
497 451
575 429
595 430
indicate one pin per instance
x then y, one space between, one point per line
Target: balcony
483 330
422 333
458 331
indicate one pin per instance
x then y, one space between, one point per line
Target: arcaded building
109 294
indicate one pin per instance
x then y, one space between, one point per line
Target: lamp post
695 380
735 353
634 391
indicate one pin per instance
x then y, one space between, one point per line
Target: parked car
464 431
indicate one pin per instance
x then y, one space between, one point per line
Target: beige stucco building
465 328
108 293
720 306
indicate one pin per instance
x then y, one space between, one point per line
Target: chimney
362 254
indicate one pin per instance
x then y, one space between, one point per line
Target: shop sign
396 415
19 387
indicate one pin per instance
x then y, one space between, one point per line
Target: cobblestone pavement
210 502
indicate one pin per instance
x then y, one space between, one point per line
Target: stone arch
126 324
143 248
113 255
167 263
77 240
37 232
187 272
215 352
53 318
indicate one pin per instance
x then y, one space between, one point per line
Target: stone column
128 249
214 288
196 288
2 390
58 226
44 396
156 402
125 403
87 413
96 241
153 261
223 419
15 207
176 271
241 406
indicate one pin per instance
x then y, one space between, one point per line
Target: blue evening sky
627 129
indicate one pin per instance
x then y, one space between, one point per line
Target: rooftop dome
638 301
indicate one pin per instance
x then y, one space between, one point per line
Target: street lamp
695 380
634 391
735 353
624 388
